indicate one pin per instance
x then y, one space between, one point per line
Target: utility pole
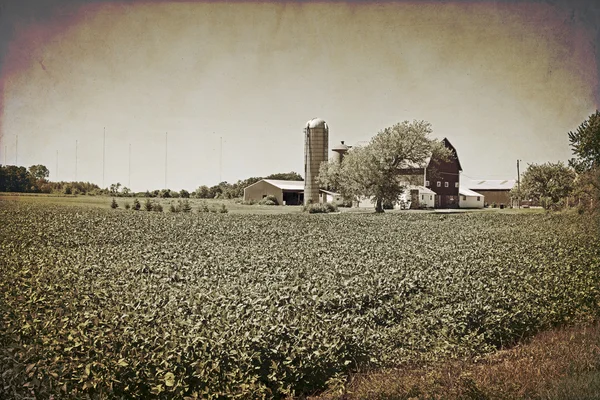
220 159
166 144
129 179
75 160
17 152
103 156
518 186
56 165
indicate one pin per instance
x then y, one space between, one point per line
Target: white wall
471 201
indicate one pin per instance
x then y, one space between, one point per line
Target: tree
585 143
286 176
39 172
548 183
378 170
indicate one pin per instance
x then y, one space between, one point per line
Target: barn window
478 198
439 184
422 197
455 184
465 198
446 184
430 197
427 183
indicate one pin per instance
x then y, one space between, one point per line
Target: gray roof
489 184
286 185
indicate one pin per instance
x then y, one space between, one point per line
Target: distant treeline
35 180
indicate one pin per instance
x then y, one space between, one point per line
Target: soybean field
101 303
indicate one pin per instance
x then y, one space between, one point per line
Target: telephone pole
518 186
75 160
166 144
129 179
103 156
17 152
56 165
220 159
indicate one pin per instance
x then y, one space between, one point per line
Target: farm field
112 303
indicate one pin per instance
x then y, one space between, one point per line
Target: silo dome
316 123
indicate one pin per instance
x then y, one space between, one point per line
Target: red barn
443 177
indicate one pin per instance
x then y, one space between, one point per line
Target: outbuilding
290 193
496 191
470 199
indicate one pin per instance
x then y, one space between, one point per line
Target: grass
562 363
104 202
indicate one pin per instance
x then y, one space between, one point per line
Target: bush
173 209
148 205
136 204
165 194
114 204
185 206
320 208
223 209
203 208
269 200
157 207
184 194
127 206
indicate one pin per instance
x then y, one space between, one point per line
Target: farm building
440 176
495 191
414 196
470 199
289 193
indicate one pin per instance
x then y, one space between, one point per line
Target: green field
113 303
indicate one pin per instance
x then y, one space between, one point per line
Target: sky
107 91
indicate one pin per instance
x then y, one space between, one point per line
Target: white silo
316 142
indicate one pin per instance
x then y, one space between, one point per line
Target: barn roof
490 184
286 185
463 191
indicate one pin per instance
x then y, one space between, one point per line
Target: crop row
102 304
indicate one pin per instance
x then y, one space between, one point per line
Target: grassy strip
563 363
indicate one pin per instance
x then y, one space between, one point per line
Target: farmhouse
289 193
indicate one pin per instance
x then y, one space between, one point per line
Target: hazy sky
502 80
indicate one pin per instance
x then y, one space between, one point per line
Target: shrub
136 204
223 209
114 204
184 194
157 207
320 208
127 206
173 209
165 194
148 205
185 206
203 208
269 200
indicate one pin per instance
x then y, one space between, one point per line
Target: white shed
470 199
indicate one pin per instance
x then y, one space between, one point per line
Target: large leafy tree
378 170
39 172
548 183
585 144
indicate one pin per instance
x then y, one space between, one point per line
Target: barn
496 191
289 193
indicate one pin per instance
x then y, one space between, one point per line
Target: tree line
35 180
